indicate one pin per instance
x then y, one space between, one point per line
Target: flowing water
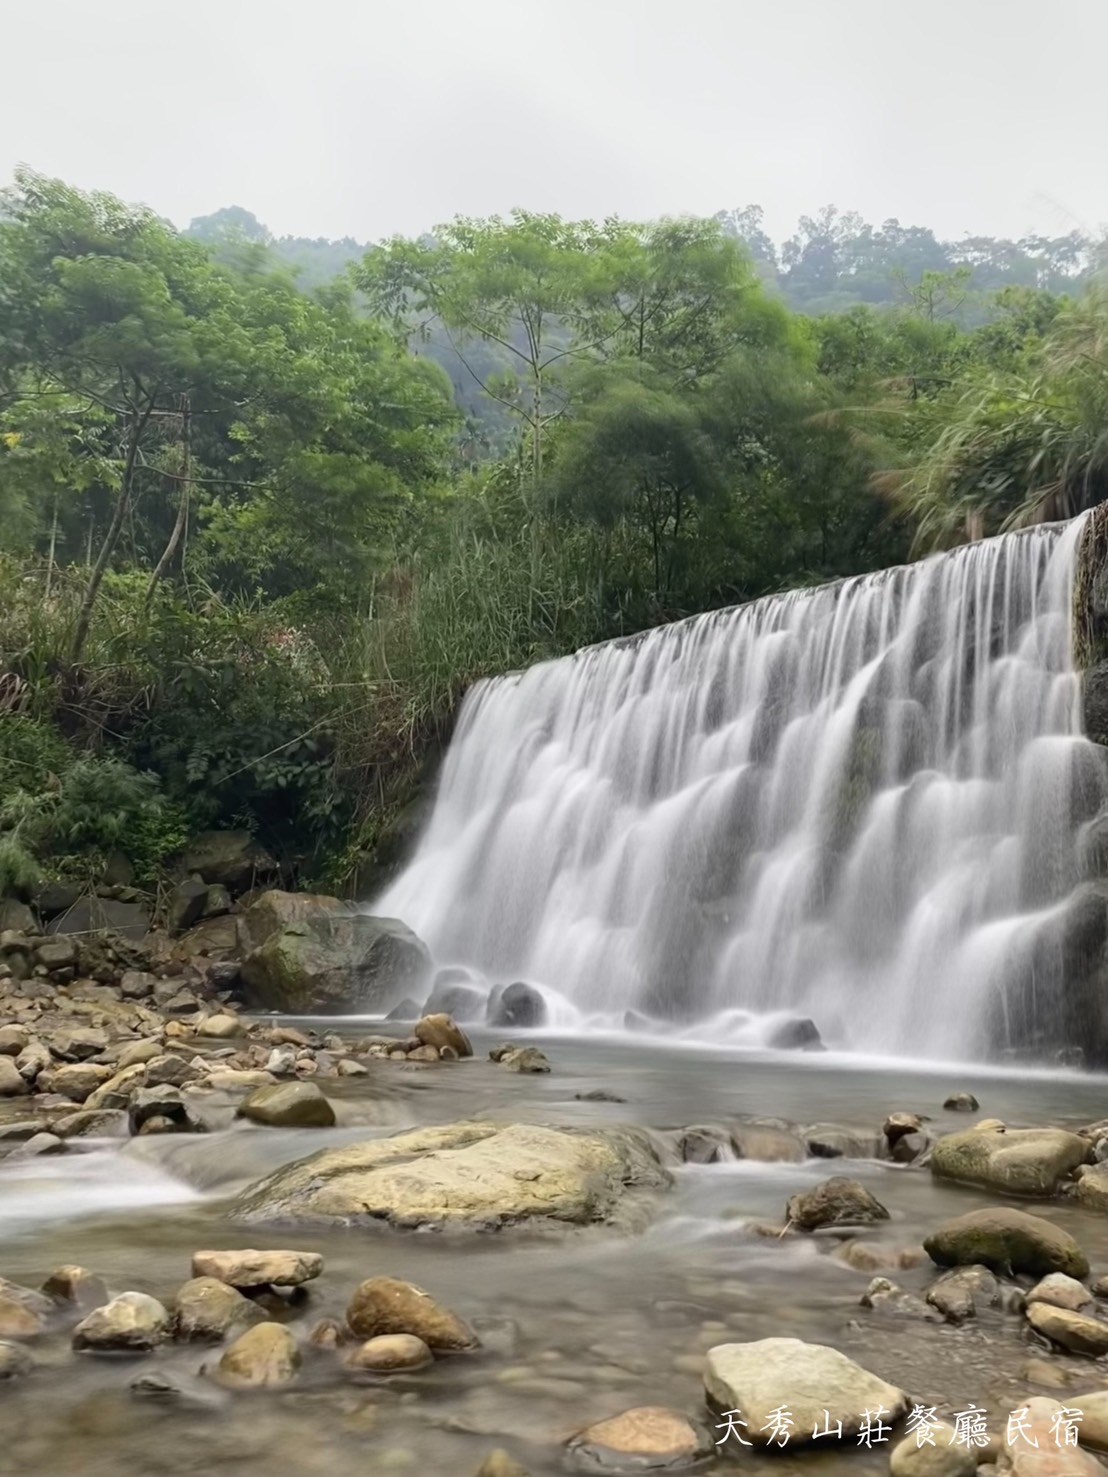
858 803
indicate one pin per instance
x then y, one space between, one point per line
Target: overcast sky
376 117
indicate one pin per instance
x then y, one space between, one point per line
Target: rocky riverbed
276 1244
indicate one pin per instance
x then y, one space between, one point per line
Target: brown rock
250 1268
1046 1458
132 1322
649 1435
23 1312
11 1081
836 1202
440 1031
384 1305
1073 1331
1006 1240
390 1352
262 1357
76 1285
898 1124
1062 1292
208 1309
221 1026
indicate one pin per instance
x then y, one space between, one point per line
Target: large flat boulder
816 1384
306 953
1017 1161
472 1176
1006 1240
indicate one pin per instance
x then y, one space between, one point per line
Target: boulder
833 1141
961 1102
74 1080
386 1305
405 1010
250 1268
12 1083
1046 1458
23 1312
704 1143
57 897
1061 1291
812 1381
1073 1331
308 954
390 1353
943 1459
798 1034
1007 1241
836 1202
647 1438
1091 1188
453 995
60 953
97 914
132 1322
262 1357
221 1027
186 905
441 1030
79 1043
1017 1161
517 1006
470 1175
208 1309
13 1040
231 859
163 1107
528 1060
1093 1431
288 1105
76 1286
896 1125
961 1294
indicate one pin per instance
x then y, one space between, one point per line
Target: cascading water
858 803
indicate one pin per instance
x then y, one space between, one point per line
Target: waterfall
858 804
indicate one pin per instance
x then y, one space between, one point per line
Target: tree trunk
53 549
170 550
111 538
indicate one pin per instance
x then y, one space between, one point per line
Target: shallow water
575 1327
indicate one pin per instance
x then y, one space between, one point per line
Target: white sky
374 117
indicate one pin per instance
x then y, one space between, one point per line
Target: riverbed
574 1327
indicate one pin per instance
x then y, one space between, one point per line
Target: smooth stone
645 1439
441 1030
74 1080
1007 1241
14 1361
1093 1430
231 1079
250 1268
106 1123
220 1027
260 1358
1061 1292
1018 1161
1047 1458
833 1141
1091 1189
809 1379
476 1175
896 1125
836 1202
23 1312
517 1006
289 1105
13 1039
1073 1331
909 1459
888 1297
11 1079
390 1352
132 1322
961 1102
76 1285
206 1308
525 1059
386 1305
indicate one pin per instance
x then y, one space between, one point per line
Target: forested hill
833 261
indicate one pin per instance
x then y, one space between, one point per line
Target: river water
575 1327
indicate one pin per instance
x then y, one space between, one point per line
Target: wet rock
116 1092
58 953
909 1147
472 1175
1073 1331
873 1256
833 1141
704 1144
1045 1458
407 1010
101 1123
289 1105
76 1286
961 1102
961 1294
1061 1292
517 1007
427 1053
884 1296
231 859
390 1353
836 1202
170 1070
598 1095
385 1305
136 984
13 1039
1006 1241
221 1027
440 1031
896 1125
1093 1430
208 1309
261 1358
132 1322
528 1060
769 1141
33 1059
647 1438
91 915
500 1463
15 1362
308 953
1091 1189
38 1145
453 996
23 1312
229 1079
799 1034
328 1333
812 1381
165 1104
1017 1161
250 1268
943 1459
11 1079
139 1051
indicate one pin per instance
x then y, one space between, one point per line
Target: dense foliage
254 541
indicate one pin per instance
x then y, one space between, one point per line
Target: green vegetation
259 530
